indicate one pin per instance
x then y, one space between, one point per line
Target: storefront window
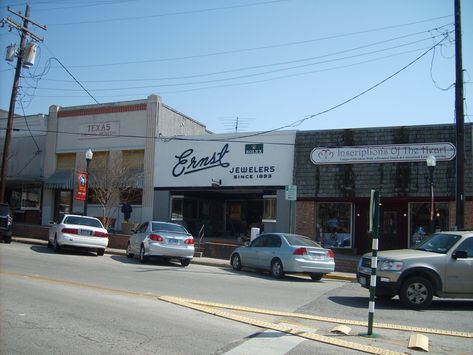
132 196
269 208
334 222
177 208
419 223
31 198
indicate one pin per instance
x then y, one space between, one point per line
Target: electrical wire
290 125
246 75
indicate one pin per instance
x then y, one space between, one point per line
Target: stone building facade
333 198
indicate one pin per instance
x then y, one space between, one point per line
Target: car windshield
299 240
83 221
4 210
168 227
438 243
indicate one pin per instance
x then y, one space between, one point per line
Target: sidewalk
196 260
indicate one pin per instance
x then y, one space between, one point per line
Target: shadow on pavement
45 250
395 303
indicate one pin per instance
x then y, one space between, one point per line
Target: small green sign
253 148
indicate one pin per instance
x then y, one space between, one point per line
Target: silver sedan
161 239
282 253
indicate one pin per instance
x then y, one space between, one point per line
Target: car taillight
189 241
300 251
101 234
156 238
330 253
70 230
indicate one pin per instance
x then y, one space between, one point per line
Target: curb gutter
195 260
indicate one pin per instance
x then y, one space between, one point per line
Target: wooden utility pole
460 123
11 111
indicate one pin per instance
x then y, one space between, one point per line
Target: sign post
291 196
374 232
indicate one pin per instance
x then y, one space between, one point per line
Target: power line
250 49
273 64
246 75
177 13
290 125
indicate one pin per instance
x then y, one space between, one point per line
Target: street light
431 161
88 157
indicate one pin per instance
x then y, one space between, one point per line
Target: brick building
334 195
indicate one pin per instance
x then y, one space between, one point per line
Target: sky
249 65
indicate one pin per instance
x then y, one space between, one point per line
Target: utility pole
460 123
11 111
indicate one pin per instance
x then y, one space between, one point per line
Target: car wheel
56 245
185 262
143 257
316 277
277 269
7 239
100 252
416 293
236 262
50 245
129 254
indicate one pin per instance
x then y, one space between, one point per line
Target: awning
61 179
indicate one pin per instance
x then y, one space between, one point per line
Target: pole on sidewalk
374 232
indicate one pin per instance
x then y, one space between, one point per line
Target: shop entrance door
62 203
393 225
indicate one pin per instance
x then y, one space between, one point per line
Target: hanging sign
81 186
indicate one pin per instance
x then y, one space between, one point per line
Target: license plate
363 280
317 256
173 241
85 232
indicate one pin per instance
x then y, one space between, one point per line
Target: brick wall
305 212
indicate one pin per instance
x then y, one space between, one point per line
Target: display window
334 224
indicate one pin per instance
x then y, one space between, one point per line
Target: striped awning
61 179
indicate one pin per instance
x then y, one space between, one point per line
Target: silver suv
441 265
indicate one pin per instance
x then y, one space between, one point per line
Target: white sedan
161 239
79 232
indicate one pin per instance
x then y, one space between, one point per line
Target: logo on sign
253 148
188 163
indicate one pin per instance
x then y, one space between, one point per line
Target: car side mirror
459 254
246 243
51 223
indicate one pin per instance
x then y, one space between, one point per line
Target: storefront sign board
382 153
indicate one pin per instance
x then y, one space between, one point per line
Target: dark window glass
300 240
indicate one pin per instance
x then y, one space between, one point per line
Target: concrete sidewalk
196 260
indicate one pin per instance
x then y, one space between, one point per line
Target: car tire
50 245
236 262
416 293
277 269
100 252
185 262
7 239
143 257
129 254
316 277
56 245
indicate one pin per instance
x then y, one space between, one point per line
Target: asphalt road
77 303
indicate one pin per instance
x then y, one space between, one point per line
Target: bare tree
111 182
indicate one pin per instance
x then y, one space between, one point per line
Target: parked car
282 253
80 232
6 223
441 265
161 239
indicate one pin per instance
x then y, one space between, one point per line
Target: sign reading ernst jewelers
382 153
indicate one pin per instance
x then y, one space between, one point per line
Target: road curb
196 260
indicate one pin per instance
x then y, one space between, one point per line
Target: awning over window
61 179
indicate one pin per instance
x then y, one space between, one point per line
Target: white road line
269 342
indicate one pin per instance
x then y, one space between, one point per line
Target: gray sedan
282 253
161 239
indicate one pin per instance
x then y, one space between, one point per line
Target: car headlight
390 265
